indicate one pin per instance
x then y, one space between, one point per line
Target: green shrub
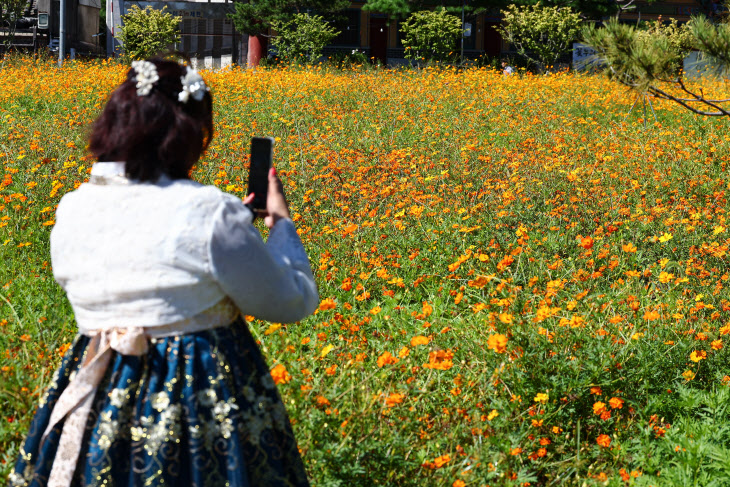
147 32
302 38
540 34
347 60
10 11
431 35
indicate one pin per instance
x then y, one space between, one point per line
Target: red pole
256 47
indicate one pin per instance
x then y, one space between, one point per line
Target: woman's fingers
276 205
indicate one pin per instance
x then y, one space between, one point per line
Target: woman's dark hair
153 134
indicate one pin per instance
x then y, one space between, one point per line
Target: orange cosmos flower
604 441
280 375
386 359
665 277
440 360
442 460
505 318
599 408
62 349
698 355
506 261
394 399
716 344
327 303
419 340
629 248
688 375
497 342
651 315
585 242
616 403
426 310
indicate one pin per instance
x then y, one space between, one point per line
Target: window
470 42
348 23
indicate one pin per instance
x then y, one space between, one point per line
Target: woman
164 384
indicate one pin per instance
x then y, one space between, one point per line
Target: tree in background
147 32
540 34
650 62
400 9
590 9
302 38
257 17
10 12
430 35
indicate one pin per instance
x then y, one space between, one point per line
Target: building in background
207 35
209 38
39 25
379 37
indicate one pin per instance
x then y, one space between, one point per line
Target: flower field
522 281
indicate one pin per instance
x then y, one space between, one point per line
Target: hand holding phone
262 154
276 205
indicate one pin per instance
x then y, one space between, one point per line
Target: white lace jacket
135 254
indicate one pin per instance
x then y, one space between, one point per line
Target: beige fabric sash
75 402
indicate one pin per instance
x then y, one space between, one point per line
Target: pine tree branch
663 95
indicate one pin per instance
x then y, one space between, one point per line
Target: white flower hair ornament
192 86
145 75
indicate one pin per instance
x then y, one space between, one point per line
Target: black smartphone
262 154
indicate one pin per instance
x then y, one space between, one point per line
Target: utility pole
462 31
61 32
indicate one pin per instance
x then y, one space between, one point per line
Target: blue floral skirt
199 409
